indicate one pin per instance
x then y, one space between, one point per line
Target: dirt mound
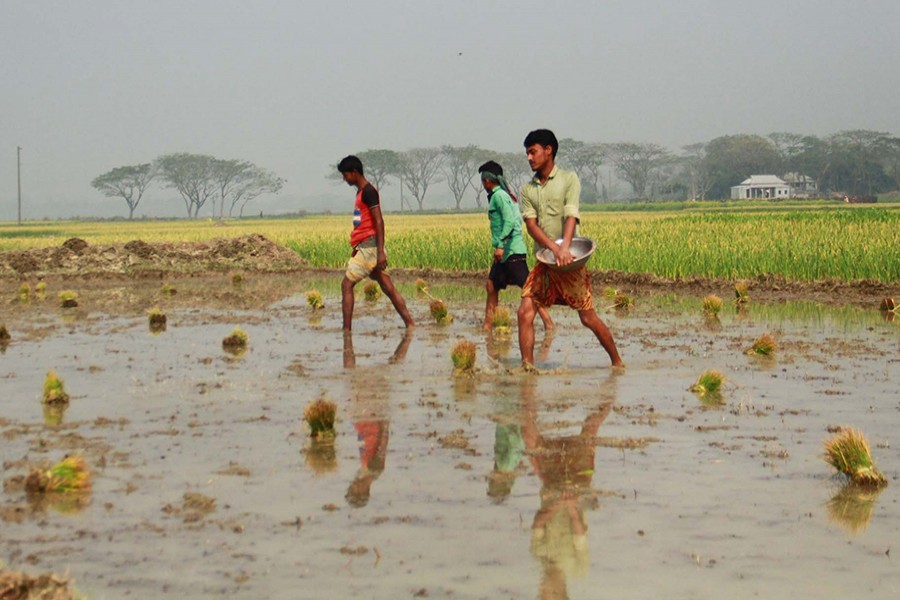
15 585
75 257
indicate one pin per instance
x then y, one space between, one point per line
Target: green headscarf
501 181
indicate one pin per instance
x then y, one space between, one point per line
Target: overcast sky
294 86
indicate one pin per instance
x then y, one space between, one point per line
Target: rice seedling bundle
848 452
236 341
709 383
501 321
712 305
54 389
314 299
372 291
440 312
68 299
463 356
4 334
71 475
764 345
320 416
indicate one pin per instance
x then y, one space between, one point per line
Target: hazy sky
294 86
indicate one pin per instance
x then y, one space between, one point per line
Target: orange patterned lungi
547 287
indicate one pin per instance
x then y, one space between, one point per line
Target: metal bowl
581 249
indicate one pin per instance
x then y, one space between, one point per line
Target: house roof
764 180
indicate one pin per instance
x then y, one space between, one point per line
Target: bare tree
193 175
637 162
699 179
516 169
419 168
240 181
128 183
460 169
586 159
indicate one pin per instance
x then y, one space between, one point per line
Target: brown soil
75 258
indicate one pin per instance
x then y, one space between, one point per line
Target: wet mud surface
576 482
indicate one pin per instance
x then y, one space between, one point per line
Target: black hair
349 164
542 137
491 167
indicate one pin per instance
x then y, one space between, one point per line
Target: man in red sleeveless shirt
367 239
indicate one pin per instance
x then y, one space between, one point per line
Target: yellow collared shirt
553 202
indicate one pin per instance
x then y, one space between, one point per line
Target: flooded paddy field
575 482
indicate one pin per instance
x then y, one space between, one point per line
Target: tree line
198 178
854 162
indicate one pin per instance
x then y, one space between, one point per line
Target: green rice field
802 244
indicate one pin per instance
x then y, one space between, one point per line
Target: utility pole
19 178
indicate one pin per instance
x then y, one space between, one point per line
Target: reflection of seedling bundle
68 299
69 476
372 291
314 299
889 309
712 305
236 343
740 293
463 356
24 291
440 313
848 452
852 507
319 415
709 385
764 345
54 390
157 319
501 322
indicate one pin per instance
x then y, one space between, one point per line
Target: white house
761 186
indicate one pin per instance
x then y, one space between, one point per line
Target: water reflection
370 391
852 507
564 463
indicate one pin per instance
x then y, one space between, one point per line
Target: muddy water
576 482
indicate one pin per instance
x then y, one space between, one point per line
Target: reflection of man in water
565 466
370 420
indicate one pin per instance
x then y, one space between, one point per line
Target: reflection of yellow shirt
556 541
552 203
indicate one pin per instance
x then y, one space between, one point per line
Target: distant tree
419 168
815 158
637 163
240 181
732 158
379 165
789 146
128 183
586 159
515 168
858 161
892 160
696 170
460 169
193 175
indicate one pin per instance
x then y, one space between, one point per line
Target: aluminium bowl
581 249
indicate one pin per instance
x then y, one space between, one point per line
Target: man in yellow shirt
550 204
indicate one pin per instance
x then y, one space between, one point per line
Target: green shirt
553 202
506 224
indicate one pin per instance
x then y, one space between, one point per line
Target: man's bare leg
387 286
525 317
545 317
590 320
347 302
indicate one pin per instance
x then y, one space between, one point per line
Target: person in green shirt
550 209
509 266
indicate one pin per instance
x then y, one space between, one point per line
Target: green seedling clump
372 291
236 341
709 384
314 299
156 317
848 452
168 289
764 345
463 356
54 390
740 293
501 321
440 313
24 291
320 415
41 288
712 305
69 476
421 286
68 299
